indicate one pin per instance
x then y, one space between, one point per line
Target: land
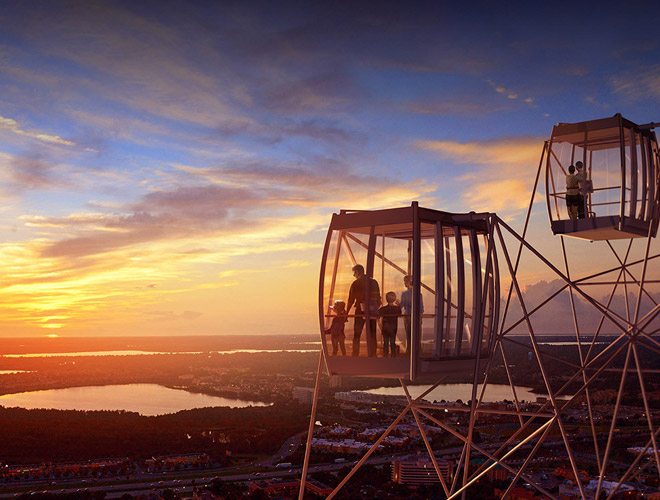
45 449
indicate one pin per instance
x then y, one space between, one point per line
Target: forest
38 436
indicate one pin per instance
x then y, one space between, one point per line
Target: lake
146 399
452 392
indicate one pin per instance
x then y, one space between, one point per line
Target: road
145 484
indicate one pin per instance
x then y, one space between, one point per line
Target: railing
561 195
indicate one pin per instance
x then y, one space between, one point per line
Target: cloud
497 182
183 212
309 93
510 94
466 106
497 196
508 152
642 84
319 182
13 126
31 170
252 198
276 131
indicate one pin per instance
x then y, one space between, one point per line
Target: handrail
597 204
606 203
595 189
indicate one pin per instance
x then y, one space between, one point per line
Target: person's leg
334 345
342 345
386 344
571 207
406 324
358 324
393 344
371 338
580 207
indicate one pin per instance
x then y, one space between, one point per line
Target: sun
52 336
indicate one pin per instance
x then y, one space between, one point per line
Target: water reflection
146 399
452 392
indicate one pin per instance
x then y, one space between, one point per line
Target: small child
336 330
390 319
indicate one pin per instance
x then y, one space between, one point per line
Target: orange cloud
504 170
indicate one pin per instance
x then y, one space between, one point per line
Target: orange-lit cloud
159 248
501 172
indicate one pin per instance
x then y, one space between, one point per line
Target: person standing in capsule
365 294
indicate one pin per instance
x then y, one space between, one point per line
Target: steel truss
635 332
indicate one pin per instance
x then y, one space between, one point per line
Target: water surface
146 399
452 392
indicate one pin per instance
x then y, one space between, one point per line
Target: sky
170 168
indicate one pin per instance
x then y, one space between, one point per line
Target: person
365 294
585 186
389 315
582 181
572 193
336 330
406 308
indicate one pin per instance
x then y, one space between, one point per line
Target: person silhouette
389 315
365 294
572 193
336 330
582 186
406 308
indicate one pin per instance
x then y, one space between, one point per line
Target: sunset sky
171 167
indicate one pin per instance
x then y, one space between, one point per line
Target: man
572 193
585 187
365 294
406 308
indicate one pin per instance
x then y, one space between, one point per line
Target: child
390 318
336 329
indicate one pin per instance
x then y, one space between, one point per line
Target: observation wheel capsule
408 292
616 192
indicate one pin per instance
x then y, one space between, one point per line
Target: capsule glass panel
429 344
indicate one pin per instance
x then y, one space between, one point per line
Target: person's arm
351 298
379 317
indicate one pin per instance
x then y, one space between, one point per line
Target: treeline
56 373
38 436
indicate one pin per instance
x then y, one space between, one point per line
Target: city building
421 472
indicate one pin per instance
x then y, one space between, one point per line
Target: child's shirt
337 326
390 315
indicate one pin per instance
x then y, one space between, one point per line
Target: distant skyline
170 168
